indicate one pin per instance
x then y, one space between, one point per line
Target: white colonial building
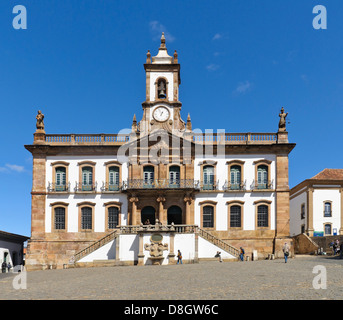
93 196
316 205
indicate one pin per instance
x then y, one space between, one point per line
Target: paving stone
211 280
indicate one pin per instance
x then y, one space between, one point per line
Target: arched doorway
148 214
174 214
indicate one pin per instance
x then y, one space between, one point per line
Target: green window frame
208 178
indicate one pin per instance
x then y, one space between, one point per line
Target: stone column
141 253
37 246
188 200
161 217
282 196
133 200
310 212
341 220
171 254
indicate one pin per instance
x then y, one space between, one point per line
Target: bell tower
161 108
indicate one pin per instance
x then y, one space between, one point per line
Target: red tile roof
329 174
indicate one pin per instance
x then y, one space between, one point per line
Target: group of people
5 266
337 248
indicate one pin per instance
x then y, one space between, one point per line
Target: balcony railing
80 187
118 139
178 228
107 187
235 138
212 186
161 184
54 187
86 139
228 186
257 186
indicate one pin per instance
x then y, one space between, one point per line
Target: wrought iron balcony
80 187
258 186
228 186
107 187
212 186
54 187
161 184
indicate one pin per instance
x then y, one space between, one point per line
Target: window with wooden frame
87 176
113 215
148 176
208 175
174 176
302 213
59 177
113 176
327 229
235 175
262 217
208 214
59 211
262 175
86 216
327 208
235 214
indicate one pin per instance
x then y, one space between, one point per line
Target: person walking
179 257
285 250
241 254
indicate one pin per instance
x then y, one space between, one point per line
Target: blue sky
242 60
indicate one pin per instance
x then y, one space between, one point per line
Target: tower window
161 89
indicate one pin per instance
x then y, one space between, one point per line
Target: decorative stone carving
156 248
282 122
40 121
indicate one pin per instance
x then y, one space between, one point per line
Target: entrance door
174 215
148 214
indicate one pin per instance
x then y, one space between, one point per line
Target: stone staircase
218 242
179 229
95 245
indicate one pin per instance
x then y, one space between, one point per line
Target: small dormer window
162 89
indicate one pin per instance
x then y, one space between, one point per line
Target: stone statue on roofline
282 122
40 120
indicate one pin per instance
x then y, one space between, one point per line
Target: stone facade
233 186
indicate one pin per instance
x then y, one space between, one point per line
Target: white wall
295 212
153 78
106 252
208 250
186 244
74 199
128 247
248 197
319 197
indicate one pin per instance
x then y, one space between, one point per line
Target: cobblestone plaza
211 280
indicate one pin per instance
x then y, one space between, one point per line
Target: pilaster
282 196
310 212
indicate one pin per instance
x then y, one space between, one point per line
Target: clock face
161 114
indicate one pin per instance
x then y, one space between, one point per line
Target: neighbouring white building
202 192
316 205
12 248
